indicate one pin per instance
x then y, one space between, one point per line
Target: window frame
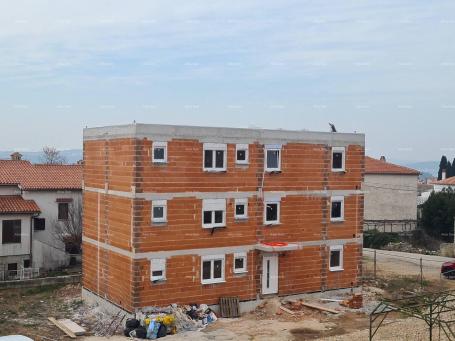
343 159
274 222
159 203
244 256
268 148
337 199
160 265
15 239
67 203
213 205
212 259
34 224
245 147
243 202
338 248
159 144
214 147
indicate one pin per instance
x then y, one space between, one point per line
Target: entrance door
270 274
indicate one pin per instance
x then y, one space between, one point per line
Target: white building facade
390 196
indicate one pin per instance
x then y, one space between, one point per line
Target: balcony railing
21 274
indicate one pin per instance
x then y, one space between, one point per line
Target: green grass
44 289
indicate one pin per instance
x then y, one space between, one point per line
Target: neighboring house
445 183
390 196
178 214
33 198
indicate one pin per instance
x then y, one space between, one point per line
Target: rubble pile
355 302
159 322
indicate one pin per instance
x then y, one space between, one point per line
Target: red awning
276 246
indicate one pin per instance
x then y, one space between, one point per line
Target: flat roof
161 132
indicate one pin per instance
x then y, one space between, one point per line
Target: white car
15 338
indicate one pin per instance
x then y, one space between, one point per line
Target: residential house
445 183
390 196
33 197
179 214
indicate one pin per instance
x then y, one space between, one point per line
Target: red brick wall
124 164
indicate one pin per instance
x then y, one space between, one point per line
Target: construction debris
159 322
72 326
287 310
318 307
355 302
62 327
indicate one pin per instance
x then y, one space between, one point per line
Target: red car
448 269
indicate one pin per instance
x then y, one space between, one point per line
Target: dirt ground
25 311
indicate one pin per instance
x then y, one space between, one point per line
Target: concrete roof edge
166 132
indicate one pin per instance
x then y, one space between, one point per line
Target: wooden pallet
229 307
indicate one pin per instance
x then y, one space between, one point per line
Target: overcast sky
384 68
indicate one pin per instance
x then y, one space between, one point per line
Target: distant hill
71 155
430 167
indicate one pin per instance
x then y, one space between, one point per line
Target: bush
438 213
376 240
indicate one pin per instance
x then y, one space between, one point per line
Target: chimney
16 156
444 174
382 158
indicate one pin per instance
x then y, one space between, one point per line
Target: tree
52 156
69 231
450 169
438 214
442 166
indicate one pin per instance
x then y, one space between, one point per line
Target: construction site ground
26 312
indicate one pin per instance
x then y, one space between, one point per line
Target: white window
337 209
336 258
212 269
213 213
214 157
159 152
159 211
241 209
338 159
272 158
271 212
240 264
241 154
158 269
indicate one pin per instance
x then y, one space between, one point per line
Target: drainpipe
31 238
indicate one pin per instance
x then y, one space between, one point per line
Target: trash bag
132 323
162 331
127 331
140 333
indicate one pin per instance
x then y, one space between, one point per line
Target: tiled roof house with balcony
180 214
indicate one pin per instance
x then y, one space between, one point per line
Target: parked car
448 269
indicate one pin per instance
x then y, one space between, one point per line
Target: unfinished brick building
176 214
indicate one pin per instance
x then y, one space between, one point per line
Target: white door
270 274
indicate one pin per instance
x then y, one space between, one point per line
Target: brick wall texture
119 174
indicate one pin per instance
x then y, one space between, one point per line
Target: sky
380 67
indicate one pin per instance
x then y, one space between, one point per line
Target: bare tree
69 231
52 156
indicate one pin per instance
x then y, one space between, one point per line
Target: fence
379 264
21 274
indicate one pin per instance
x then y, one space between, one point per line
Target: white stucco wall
390 197
16 249
439 188
48 251
10 190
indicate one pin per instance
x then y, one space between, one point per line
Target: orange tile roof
16 204
40 177
375 166
448 181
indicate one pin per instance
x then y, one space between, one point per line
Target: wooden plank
229 307
318 307
62 328
287 310
74 327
